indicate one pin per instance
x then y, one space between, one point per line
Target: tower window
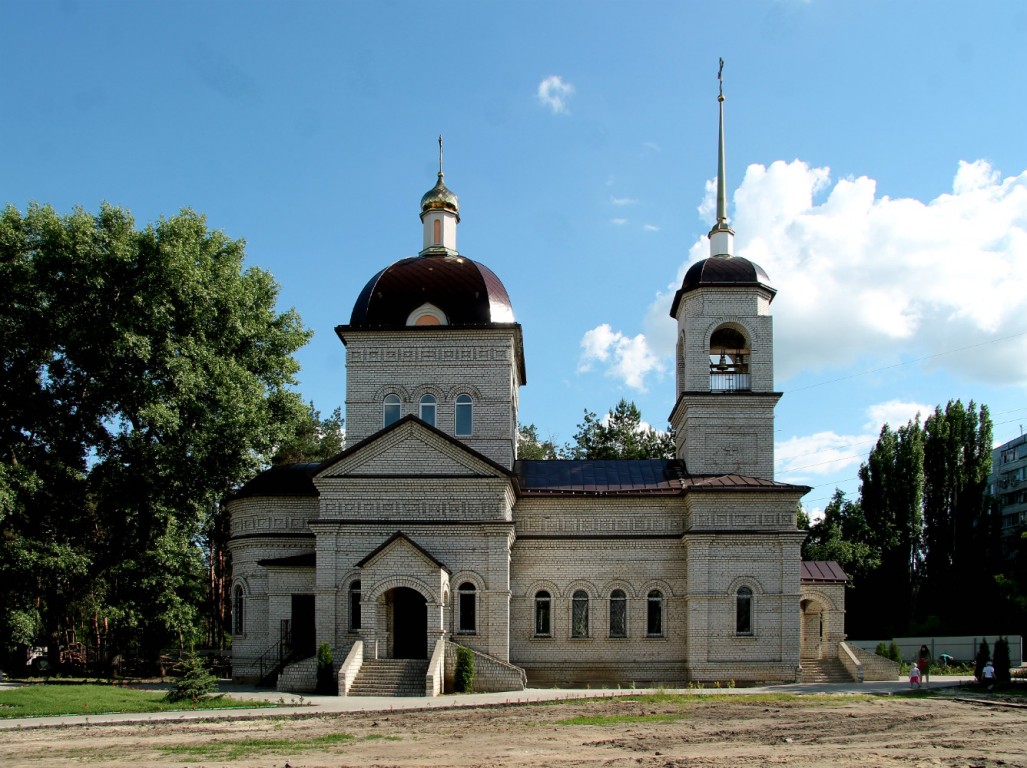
579 614
618 613
464 415
390 410
437 232
729 361
654 614
467 604
428 409
743 611
542 623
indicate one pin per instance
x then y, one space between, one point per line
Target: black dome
725 271
468 292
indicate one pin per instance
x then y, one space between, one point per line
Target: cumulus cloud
619 221
865 277
628 359
553 93
800 458
650 228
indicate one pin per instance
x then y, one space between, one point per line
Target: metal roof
822 571
467 291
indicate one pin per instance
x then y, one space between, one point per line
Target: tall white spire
722 237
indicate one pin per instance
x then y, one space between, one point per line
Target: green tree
891 489
620 435
530 446
314 438
146 373
962 553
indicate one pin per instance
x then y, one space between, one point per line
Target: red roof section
822 571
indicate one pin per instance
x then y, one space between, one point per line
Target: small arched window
542 619
428 409
654 614
464 415
390 410
354 606
437 232
579 614
743 611
618 613
237 610
467 604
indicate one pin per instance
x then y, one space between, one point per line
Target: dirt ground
738 732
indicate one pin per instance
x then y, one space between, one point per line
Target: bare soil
724 731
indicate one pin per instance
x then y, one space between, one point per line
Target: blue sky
877 170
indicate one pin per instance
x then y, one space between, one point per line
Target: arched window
654 614
464 415
354 606
729 360
743 611
437 231
542 623
428 409
390 410
467 604
618 613
579 614
237 610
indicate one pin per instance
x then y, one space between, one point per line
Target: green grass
235 749
90 699
620 719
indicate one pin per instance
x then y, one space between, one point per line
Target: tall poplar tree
961 531
891 491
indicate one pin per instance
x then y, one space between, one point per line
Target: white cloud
553 93
652 146
619 222
623 200
650 228
826 453
628 359
862 277
866 277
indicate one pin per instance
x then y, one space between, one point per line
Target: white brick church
428 532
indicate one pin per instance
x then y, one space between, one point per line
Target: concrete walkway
295 705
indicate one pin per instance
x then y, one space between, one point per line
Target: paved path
294 705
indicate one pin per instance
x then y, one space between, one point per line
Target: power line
909 362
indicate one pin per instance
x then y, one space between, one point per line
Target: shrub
464 682
327 684
894 653
1001 660
195 683
983 654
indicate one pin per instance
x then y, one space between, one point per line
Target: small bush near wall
327 685
464 682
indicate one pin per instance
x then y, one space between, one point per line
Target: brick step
824 671
390 677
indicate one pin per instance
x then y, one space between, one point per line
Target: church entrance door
303 631
409 624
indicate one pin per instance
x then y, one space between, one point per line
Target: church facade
428 532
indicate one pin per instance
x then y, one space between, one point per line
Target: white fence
960 648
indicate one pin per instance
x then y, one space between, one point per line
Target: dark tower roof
722 271
467 291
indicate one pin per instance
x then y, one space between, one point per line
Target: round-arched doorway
408 622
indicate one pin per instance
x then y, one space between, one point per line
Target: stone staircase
824 671
390 677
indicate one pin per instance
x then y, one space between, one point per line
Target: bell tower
723 417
